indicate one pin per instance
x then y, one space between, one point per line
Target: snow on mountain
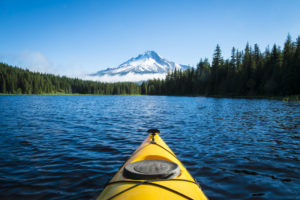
143 67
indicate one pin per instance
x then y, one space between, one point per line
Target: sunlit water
68 147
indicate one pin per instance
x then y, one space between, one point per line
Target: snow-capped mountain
148 65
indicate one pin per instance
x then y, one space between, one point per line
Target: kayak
152 172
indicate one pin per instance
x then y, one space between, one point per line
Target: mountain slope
148 65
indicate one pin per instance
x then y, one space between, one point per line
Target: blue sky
70 37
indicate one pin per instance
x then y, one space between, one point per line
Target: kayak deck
183 186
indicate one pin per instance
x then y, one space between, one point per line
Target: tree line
274 72
250 72
14 80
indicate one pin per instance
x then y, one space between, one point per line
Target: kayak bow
152 172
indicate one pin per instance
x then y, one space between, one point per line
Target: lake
69 147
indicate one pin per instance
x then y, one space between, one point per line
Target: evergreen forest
14 80
248 72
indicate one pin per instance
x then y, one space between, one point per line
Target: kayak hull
180 187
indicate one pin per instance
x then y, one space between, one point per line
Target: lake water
68 147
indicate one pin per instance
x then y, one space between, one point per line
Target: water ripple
68 147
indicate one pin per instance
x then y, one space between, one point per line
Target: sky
75 37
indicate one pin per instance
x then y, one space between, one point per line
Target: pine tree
233 59
258 72
288 54
296 64
2 83
216 64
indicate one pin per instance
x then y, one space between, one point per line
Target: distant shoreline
295 98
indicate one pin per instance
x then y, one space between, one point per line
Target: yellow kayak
152 172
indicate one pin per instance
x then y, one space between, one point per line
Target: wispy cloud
37 61
33 60
130 77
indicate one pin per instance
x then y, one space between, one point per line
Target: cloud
130 77
32 60
36 61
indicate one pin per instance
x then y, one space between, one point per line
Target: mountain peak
147 54
151 53
146 66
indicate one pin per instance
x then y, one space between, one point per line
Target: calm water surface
68 147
